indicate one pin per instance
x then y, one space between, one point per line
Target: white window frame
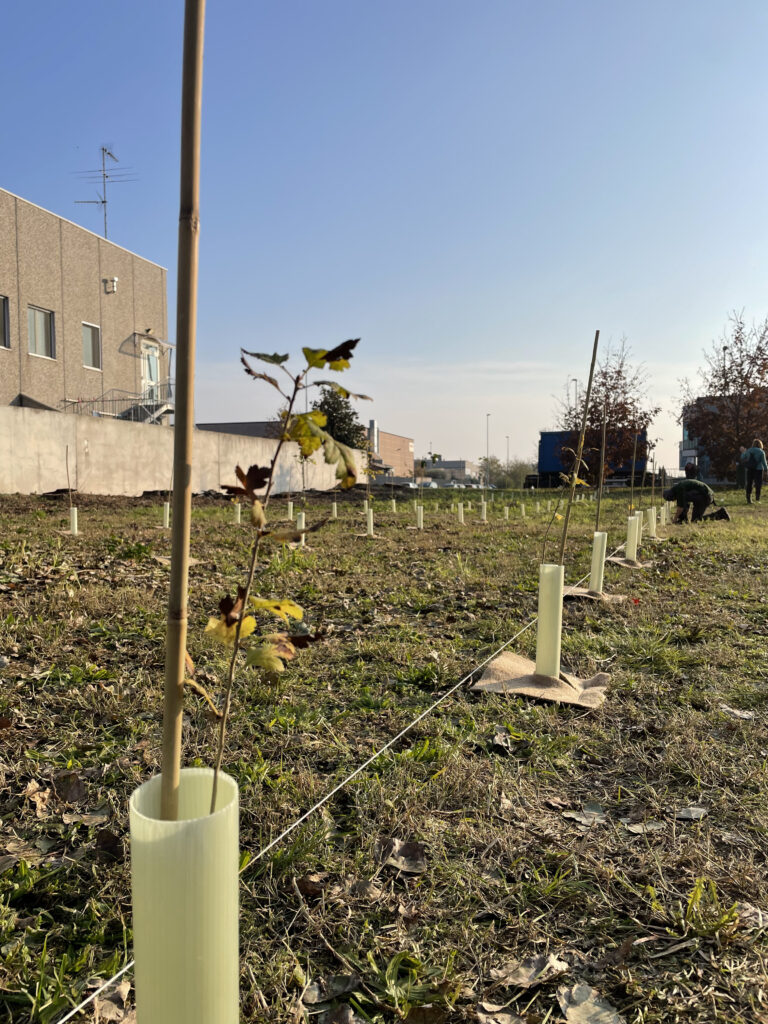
50 313
90 366
5 323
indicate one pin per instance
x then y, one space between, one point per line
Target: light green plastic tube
394 505
238 512
483 512
630 549
550 626
419 517
290 510
184 877
599 544
73 520
167 514
461 512
334 510
301 523
369 518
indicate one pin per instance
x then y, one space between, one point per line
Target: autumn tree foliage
728 406
621 388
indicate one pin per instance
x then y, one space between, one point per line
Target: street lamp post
487 450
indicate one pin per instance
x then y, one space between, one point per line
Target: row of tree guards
184 860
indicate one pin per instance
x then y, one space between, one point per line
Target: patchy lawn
627 842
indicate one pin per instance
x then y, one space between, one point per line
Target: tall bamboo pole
186 324
632 483
577 463
602 467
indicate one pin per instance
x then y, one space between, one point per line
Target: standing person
754 460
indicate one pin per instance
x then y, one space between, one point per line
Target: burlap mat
627 564
512 673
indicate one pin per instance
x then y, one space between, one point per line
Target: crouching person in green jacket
696 494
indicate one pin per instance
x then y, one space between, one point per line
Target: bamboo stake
69 489
602 468
577 463
186 316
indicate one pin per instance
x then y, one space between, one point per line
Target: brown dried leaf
535 970
69 787
410 858
97 817
584 1005
109 846
312 885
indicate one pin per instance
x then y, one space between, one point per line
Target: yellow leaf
315 357
258 518
558 516
282 609
265 657
225 634
306 430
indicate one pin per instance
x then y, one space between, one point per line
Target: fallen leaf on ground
584 1005
339 1015
691 813
490 1013
97 817
39 797
408 857
590 814
639 828
745 716
751 917
109 845
312 885
535 970
332 988
362 888
69 787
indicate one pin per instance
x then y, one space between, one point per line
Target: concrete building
457 469
83 322
391 454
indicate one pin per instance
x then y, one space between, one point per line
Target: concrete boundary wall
113 457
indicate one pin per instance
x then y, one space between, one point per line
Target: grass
643 906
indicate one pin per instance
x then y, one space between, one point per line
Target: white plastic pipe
663 514
461 513
650 521
630 550
73 520
538 506
300 525
334 510
238 509
415 504
290 510
550 624
167 514
599 544
420 517
394 505
483 511
184 879
365 504
549 506
639 518
506 511
369 517
522 510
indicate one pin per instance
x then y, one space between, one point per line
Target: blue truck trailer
553 461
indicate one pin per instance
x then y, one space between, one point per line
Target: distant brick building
82 321
391 454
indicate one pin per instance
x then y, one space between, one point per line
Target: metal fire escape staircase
150 406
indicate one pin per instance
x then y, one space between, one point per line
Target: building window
5 330
91 346
42 341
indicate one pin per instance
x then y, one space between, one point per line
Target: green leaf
265 656
307 431
275 359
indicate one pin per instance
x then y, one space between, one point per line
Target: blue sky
471 187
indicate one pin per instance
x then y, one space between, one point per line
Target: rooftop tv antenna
103 175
